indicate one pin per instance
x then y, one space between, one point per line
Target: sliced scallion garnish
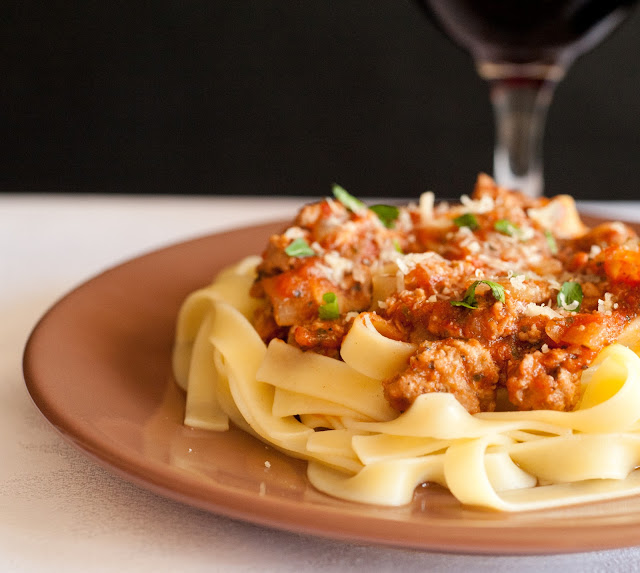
469 299
299 248
329 310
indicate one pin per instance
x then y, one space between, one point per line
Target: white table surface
59 511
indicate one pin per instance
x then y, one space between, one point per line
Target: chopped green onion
397 246
329 310
469 300
466 302
506 227
299 248
387 214
570 296
551 242
497 290
348 200
467 220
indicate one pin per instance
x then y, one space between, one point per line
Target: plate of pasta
454 377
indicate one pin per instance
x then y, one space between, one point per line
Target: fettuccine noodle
369 453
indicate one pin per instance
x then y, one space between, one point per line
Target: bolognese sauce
499 291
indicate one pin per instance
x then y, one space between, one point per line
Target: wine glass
523 49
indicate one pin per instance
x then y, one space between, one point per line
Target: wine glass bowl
523 48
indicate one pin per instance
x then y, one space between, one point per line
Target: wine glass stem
520 108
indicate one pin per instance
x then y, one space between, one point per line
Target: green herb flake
329 310
467 220
551 242
299 248
387 214
506 227
467 302
570 297
469 299
397 246
348 200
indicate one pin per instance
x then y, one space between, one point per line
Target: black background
254 97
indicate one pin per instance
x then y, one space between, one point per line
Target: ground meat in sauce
462 368
408 274
322 336
547 381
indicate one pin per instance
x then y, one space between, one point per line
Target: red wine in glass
523 48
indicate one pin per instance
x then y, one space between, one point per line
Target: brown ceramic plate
98 366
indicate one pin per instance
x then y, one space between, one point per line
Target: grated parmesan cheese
317 248
595 251
532 253
406 263
335 267
293 233
479 206
474 247
426 206
526 233
403 267
468 240
607 305
414 259
517 281
533 309
404 220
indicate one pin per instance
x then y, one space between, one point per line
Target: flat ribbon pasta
232 286
370 353
333 413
